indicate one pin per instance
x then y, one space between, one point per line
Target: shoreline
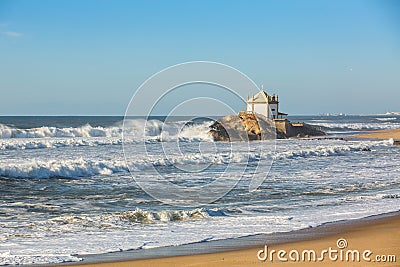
381 134
242 251
229 252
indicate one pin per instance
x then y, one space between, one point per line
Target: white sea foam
64 168
83 131
45 137
386 119
6 258
113 232
140 216
358 126
314 181
332 150
113 227
37 143
196 132
135 130
80 167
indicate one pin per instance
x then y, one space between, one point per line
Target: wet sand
382 134
379 234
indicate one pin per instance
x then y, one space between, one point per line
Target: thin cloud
12 34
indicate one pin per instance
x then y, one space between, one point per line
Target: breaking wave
334 150
124 219
37 143
86 168
62 169
41 132
386 119
357 126
138 129
117 221
144 216
135 131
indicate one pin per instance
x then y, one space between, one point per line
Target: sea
69 185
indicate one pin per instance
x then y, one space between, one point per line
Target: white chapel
264 104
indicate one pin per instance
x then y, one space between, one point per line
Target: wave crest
357 126
143 216
134 130
80 167
62 169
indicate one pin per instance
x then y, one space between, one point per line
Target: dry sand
380 235
383 134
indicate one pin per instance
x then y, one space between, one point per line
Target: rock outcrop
287 129
243 127
248 127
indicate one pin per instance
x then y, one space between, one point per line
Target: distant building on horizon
265 104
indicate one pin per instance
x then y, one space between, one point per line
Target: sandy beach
382 134
380 235
199 133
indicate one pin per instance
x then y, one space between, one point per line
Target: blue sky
88 57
